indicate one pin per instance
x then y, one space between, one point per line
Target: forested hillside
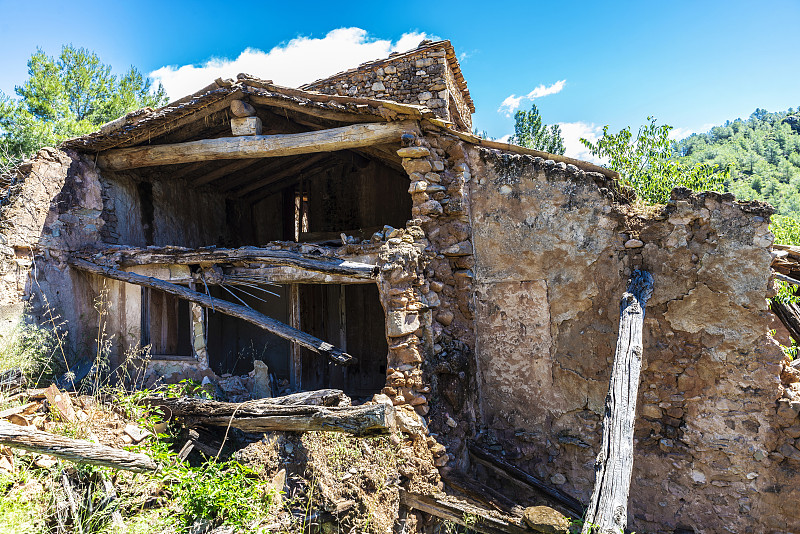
761 152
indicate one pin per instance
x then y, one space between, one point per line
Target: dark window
166 324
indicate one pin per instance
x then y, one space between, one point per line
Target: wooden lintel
223 306
256 146
129 257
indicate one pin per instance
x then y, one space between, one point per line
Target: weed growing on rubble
223 492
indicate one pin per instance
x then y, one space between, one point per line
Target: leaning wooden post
608 511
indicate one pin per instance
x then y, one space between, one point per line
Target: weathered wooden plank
608 511
74 450
256 146
367 420
236 310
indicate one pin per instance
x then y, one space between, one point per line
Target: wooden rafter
277 185
262 168
223 171
186 120
296 168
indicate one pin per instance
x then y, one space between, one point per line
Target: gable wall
424 77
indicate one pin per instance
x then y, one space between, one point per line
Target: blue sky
691 64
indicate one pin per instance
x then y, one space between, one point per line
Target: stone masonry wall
55 206
423 76
553 251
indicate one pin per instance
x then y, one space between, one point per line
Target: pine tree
68 96
530 132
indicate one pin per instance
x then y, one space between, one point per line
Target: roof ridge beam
257 146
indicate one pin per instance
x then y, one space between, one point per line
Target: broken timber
257 416
608 510
473 517
235 310
75 450
192 407
256 146
129 257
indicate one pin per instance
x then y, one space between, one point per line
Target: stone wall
428 75
553 251
54 206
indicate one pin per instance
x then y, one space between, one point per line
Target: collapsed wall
553 253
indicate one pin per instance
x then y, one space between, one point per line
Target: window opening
166 324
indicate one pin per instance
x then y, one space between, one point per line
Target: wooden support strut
256 146
75 450
235 310
608 511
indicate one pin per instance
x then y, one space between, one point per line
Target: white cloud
301 60
512 102
572 132
679 133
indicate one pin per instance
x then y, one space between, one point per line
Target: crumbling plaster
553 250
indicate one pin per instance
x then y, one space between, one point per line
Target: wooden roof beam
257 146
292 170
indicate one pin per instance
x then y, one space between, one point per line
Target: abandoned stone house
476 283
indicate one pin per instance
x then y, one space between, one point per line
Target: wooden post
608 510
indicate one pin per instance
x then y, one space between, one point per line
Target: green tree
646 162
530 132
68 96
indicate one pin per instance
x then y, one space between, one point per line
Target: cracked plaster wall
551 267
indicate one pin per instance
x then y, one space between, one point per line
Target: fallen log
74 450
361 421
459 512
256 146
190 407
506 470
608 510
129 256
230 308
